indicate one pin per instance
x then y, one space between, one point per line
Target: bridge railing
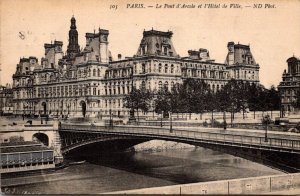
189 135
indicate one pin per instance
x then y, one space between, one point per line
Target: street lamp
171 127
266 133
224 117
161 124
131 113
266 120
68 107
40 112
110 118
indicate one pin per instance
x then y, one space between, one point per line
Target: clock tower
73 47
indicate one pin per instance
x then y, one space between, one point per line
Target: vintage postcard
150 97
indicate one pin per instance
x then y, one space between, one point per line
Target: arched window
159 85
166 68
172 68
89 72
94 72
166 86
172 85
143 68
159 68
143 85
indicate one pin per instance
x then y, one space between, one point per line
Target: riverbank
160 145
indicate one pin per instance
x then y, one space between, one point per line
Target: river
133 170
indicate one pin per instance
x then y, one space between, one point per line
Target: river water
133 170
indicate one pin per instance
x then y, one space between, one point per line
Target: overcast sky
273 34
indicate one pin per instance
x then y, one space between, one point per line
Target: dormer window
165 50
143 50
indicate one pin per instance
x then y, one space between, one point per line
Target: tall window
159 68
165 50
166 86
143 85
159 85
166 68
94 72
143 68
98 72
172 68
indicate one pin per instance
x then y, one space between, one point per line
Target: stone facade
6 100
290 84
90 83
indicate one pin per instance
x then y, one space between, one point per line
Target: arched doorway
83 108
41 137
44 106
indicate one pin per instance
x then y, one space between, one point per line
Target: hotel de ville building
89 83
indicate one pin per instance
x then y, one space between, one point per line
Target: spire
73 46
73 22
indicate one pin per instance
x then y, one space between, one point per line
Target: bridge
282 153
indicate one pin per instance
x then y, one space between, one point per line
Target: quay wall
253 185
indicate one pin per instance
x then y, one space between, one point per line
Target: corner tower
241 63
73 46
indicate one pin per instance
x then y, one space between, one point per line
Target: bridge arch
41 137
253 148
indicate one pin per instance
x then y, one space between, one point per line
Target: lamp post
161 124
266 120
131 112
47 118
266 133
171 126
68 107
110 118
224 117
40 112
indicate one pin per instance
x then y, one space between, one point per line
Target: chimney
119 56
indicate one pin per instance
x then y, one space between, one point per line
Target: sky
273 33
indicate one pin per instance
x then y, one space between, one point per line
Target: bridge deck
194 136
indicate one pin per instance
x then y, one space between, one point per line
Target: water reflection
122 171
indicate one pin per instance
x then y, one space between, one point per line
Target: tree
211 104
254 91
235 99
193 96
162 103
16 139
273 99
138 99
223 101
